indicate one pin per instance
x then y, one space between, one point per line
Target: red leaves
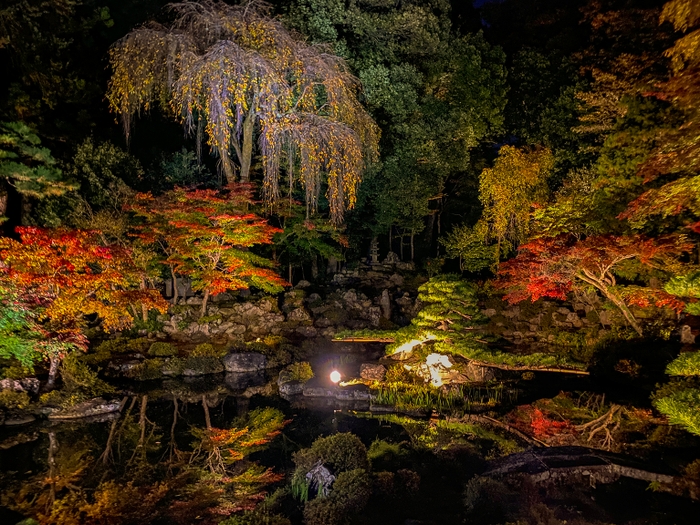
552 267
206 235
543 426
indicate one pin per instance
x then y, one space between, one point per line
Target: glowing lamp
335 376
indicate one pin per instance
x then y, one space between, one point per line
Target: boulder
302 284
245 362
20 419
352 393
27 384
687 337
372 371
299 314
385 304
291 388
92 407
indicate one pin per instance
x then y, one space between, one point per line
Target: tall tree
229 70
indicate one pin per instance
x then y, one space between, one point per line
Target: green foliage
26 165
78 377
17 371
339 452
349 494
300 371
208 350
682 408
12 400
204 365
469 246
687 287
687 364
162 349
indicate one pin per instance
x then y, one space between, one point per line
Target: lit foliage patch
228 68
682 402
553 267
206 235
62 276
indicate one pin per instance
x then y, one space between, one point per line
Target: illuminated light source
410 345
335 376
436 363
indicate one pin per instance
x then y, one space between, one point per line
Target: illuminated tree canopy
228 71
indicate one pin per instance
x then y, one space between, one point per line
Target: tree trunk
172 273
203 312
207 417
290 273
247 147
631 319
142 420
391 248
412 246
144 308
54 361
227 166
314 268
401 246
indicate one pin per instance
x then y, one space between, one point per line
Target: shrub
339 452
208 350
161 349
113 346
352 489
173 367
78 377
323 511
300 372
140 344
203 365
385 455
14 400
148 370
17 371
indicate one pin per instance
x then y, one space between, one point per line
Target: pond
163 461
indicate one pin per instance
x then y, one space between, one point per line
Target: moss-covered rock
200 366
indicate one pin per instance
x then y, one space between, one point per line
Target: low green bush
208 350
12 400
161 349
339 452
300 372
17 371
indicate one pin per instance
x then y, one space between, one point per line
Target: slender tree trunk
247 147
290 273
227 166
207 417
53 448
144 308
172 273
413 234
631 319
142 420
204 303
391 248
401 246
314 267
54 361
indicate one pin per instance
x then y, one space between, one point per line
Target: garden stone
92 407
354 392
687 337
15 421
194 301
307 331
27 384
245 362
320 479
291 388
385 304
372 371
302 284
299 314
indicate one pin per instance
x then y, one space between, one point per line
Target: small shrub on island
208 350
161 349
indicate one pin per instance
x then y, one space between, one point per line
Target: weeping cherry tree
233 72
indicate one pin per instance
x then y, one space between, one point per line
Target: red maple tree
207 234
553 267
67 275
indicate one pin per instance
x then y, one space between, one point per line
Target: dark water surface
146 445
